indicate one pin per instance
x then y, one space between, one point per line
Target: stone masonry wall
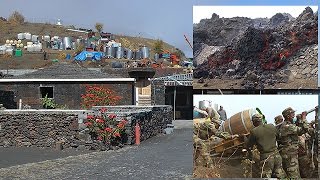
37 128
46 128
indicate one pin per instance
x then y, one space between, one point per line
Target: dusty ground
161 157
230 169
236 84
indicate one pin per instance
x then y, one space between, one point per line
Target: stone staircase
144 100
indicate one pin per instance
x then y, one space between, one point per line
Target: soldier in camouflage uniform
205 135
289 142
264 136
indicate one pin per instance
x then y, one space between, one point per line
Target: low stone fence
47 128
151 119
38 128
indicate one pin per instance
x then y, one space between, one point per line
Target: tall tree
99 27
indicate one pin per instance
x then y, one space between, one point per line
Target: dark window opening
46 91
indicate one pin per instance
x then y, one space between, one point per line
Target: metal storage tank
21 36
7 41
67 43
145 52
60 45
156 56
46 38
19 41
11 42
110 52
128 54
119 52
137 55
27 36
35 38
30 48
15 42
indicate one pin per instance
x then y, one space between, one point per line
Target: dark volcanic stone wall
152 119
49 128
68 94
37 128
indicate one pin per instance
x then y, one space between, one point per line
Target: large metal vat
137 55
145 52
119 52
203 104
67 43
156 56
240 123
128 54
110 51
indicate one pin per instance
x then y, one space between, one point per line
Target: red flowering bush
98 96
106 128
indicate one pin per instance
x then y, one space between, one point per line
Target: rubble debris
286 43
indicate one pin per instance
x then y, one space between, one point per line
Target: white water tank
46 38
11 42
19 41
27 36
30 48
7 41
21 36
34 38
9 51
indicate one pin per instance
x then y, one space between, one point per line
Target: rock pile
263 53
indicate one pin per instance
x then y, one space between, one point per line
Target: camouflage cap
257 117
278 119
287 111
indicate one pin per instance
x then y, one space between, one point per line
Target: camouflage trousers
201 154
291 165
271 164
306 171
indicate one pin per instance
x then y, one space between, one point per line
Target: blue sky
256 2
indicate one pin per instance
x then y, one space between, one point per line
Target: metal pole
174 103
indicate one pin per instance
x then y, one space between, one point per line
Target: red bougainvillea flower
112 116
120 125
99 121
90 117
124 121
88 124
116 134
108 129
103 110
99 138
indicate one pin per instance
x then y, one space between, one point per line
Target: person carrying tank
289 141
264 137
205 136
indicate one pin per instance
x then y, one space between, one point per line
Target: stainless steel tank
137 55
67 43
204 104
109 52
156 56
145 52
128 54
119 52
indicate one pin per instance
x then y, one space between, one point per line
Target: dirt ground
236 84
230 169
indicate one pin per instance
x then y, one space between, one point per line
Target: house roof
67 71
